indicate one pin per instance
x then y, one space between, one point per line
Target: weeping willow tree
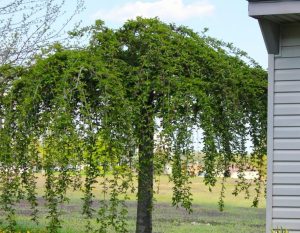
132 97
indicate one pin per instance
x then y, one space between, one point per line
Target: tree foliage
108 107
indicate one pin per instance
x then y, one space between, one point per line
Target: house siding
284 185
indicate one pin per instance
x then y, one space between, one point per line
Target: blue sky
226 19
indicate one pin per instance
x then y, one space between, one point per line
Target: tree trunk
145 175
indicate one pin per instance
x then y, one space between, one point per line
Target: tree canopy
131 97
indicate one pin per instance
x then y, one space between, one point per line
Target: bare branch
26 26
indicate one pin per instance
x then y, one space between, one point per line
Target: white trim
270 144
273 8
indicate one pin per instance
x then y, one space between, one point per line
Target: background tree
27 26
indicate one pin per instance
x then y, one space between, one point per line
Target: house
193 169
280 25
248 173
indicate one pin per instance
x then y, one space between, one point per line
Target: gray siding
285 105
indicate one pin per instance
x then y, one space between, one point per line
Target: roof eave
258 9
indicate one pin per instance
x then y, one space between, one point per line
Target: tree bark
145 175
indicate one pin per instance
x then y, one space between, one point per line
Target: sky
226 19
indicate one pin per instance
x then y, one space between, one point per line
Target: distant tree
27 26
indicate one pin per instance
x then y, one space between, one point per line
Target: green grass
237 217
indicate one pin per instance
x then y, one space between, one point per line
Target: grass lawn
238 216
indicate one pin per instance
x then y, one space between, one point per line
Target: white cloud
167 10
